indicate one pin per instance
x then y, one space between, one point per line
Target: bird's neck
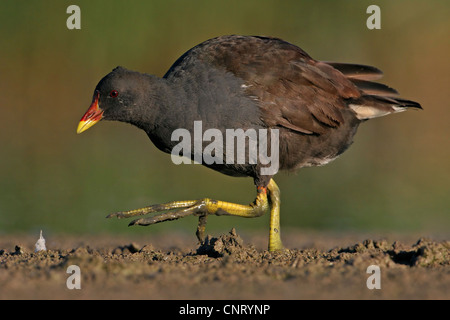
159 111
150 105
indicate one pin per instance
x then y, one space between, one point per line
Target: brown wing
292 89
306 96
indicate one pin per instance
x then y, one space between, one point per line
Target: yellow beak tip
84 125
79 129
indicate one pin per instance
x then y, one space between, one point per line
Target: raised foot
153 208
204 207
201 208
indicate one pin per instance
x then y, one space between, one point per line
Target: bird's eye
114 94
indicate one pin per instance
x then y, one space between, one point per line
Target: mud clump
228 244
425 253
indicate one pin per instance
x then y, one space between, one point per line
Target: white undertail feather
370 112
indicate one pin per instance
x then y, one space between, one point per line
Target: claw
118 215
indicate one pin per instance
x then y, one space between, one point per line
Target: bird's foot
201 208
204 207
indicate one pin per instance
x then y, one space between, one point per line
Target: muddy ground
173 266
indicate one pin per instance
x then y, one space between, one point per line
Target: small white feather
40 244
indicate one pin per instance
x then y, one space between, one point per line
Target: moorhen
244 83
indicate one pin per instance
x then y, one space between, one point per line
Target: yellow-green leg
275 243
204 207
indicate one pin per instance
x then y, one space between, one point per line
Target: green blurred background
395 177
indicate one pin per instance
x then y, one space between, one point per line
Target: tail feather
404 103
373 106
374 88
376 99
357 71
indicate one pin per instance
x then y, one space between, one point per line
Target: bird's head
116 97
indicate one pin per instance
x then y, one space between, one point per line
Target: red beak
92 116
